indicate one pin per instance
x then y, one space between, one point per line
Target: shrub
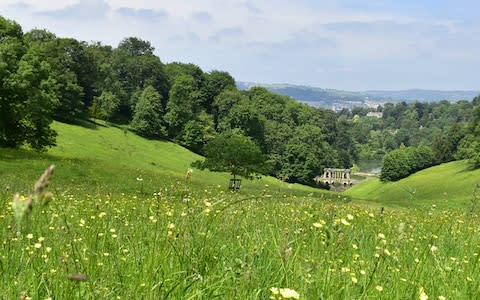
402 162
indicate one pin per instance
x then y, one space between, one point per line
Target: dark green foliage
176 69
192 136
394 166
225 102
147 119
27 97
440 125
136 67
347 151
305 155
181 105
71 66
104 106
245 117
272 107
235 153
422 157
9 30
402 162
70 94
215 83
469 146
207 86
445 145
198 132
136 47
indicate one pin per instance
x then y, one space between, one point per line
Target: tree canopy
45 77
27 92
235 153
402 162
147 118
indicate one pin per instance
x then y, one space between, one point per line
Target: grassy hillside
448 185
124 223
114 160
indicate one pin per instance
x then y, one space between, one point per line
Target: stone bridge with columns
333 175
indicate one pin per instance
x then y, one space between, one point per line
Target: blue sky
342 44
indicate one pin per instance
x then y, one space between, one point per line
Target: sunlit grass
213 243
109 160
449 185
120 228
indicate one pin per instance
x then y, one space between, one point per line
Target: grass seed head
78 277
44 180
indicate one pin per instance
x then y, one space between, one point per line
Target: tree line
44 78
440 125
449 130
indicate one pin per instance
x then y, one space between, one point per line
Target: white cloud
265 40
82 10
148 15
202 16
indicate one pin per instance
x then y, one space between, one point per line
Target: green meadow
450 185
124 222
108 159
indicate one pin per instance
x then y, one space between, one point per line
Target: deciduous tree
27 97
148 114
235 153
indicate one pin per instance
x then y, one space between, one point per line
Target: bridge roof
338 170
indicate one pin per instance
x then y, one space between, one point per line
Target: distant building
333 175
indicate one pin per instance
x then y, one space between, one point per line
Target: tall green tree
235 153
181 106
469 146
176 71
306 154
344 143
215 83
104 106
27 97
245 117
198 132
225 102
402 162
69 66
445 145
148 114
107 80
136 67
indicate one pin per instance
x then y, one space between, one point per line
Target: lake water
370 166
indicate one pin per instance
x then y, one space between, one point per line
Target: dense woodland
44 77
439 132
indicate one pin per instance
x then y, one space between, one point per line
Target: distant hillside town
339 99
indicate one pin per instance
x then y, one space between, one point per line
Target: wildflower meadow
186 243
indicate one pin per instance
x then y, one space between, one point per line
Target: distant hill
318 97
425 95
339 99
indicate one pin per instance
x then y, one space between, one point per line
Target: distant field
448 185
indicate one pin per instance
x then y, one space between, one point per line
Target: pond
370 166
